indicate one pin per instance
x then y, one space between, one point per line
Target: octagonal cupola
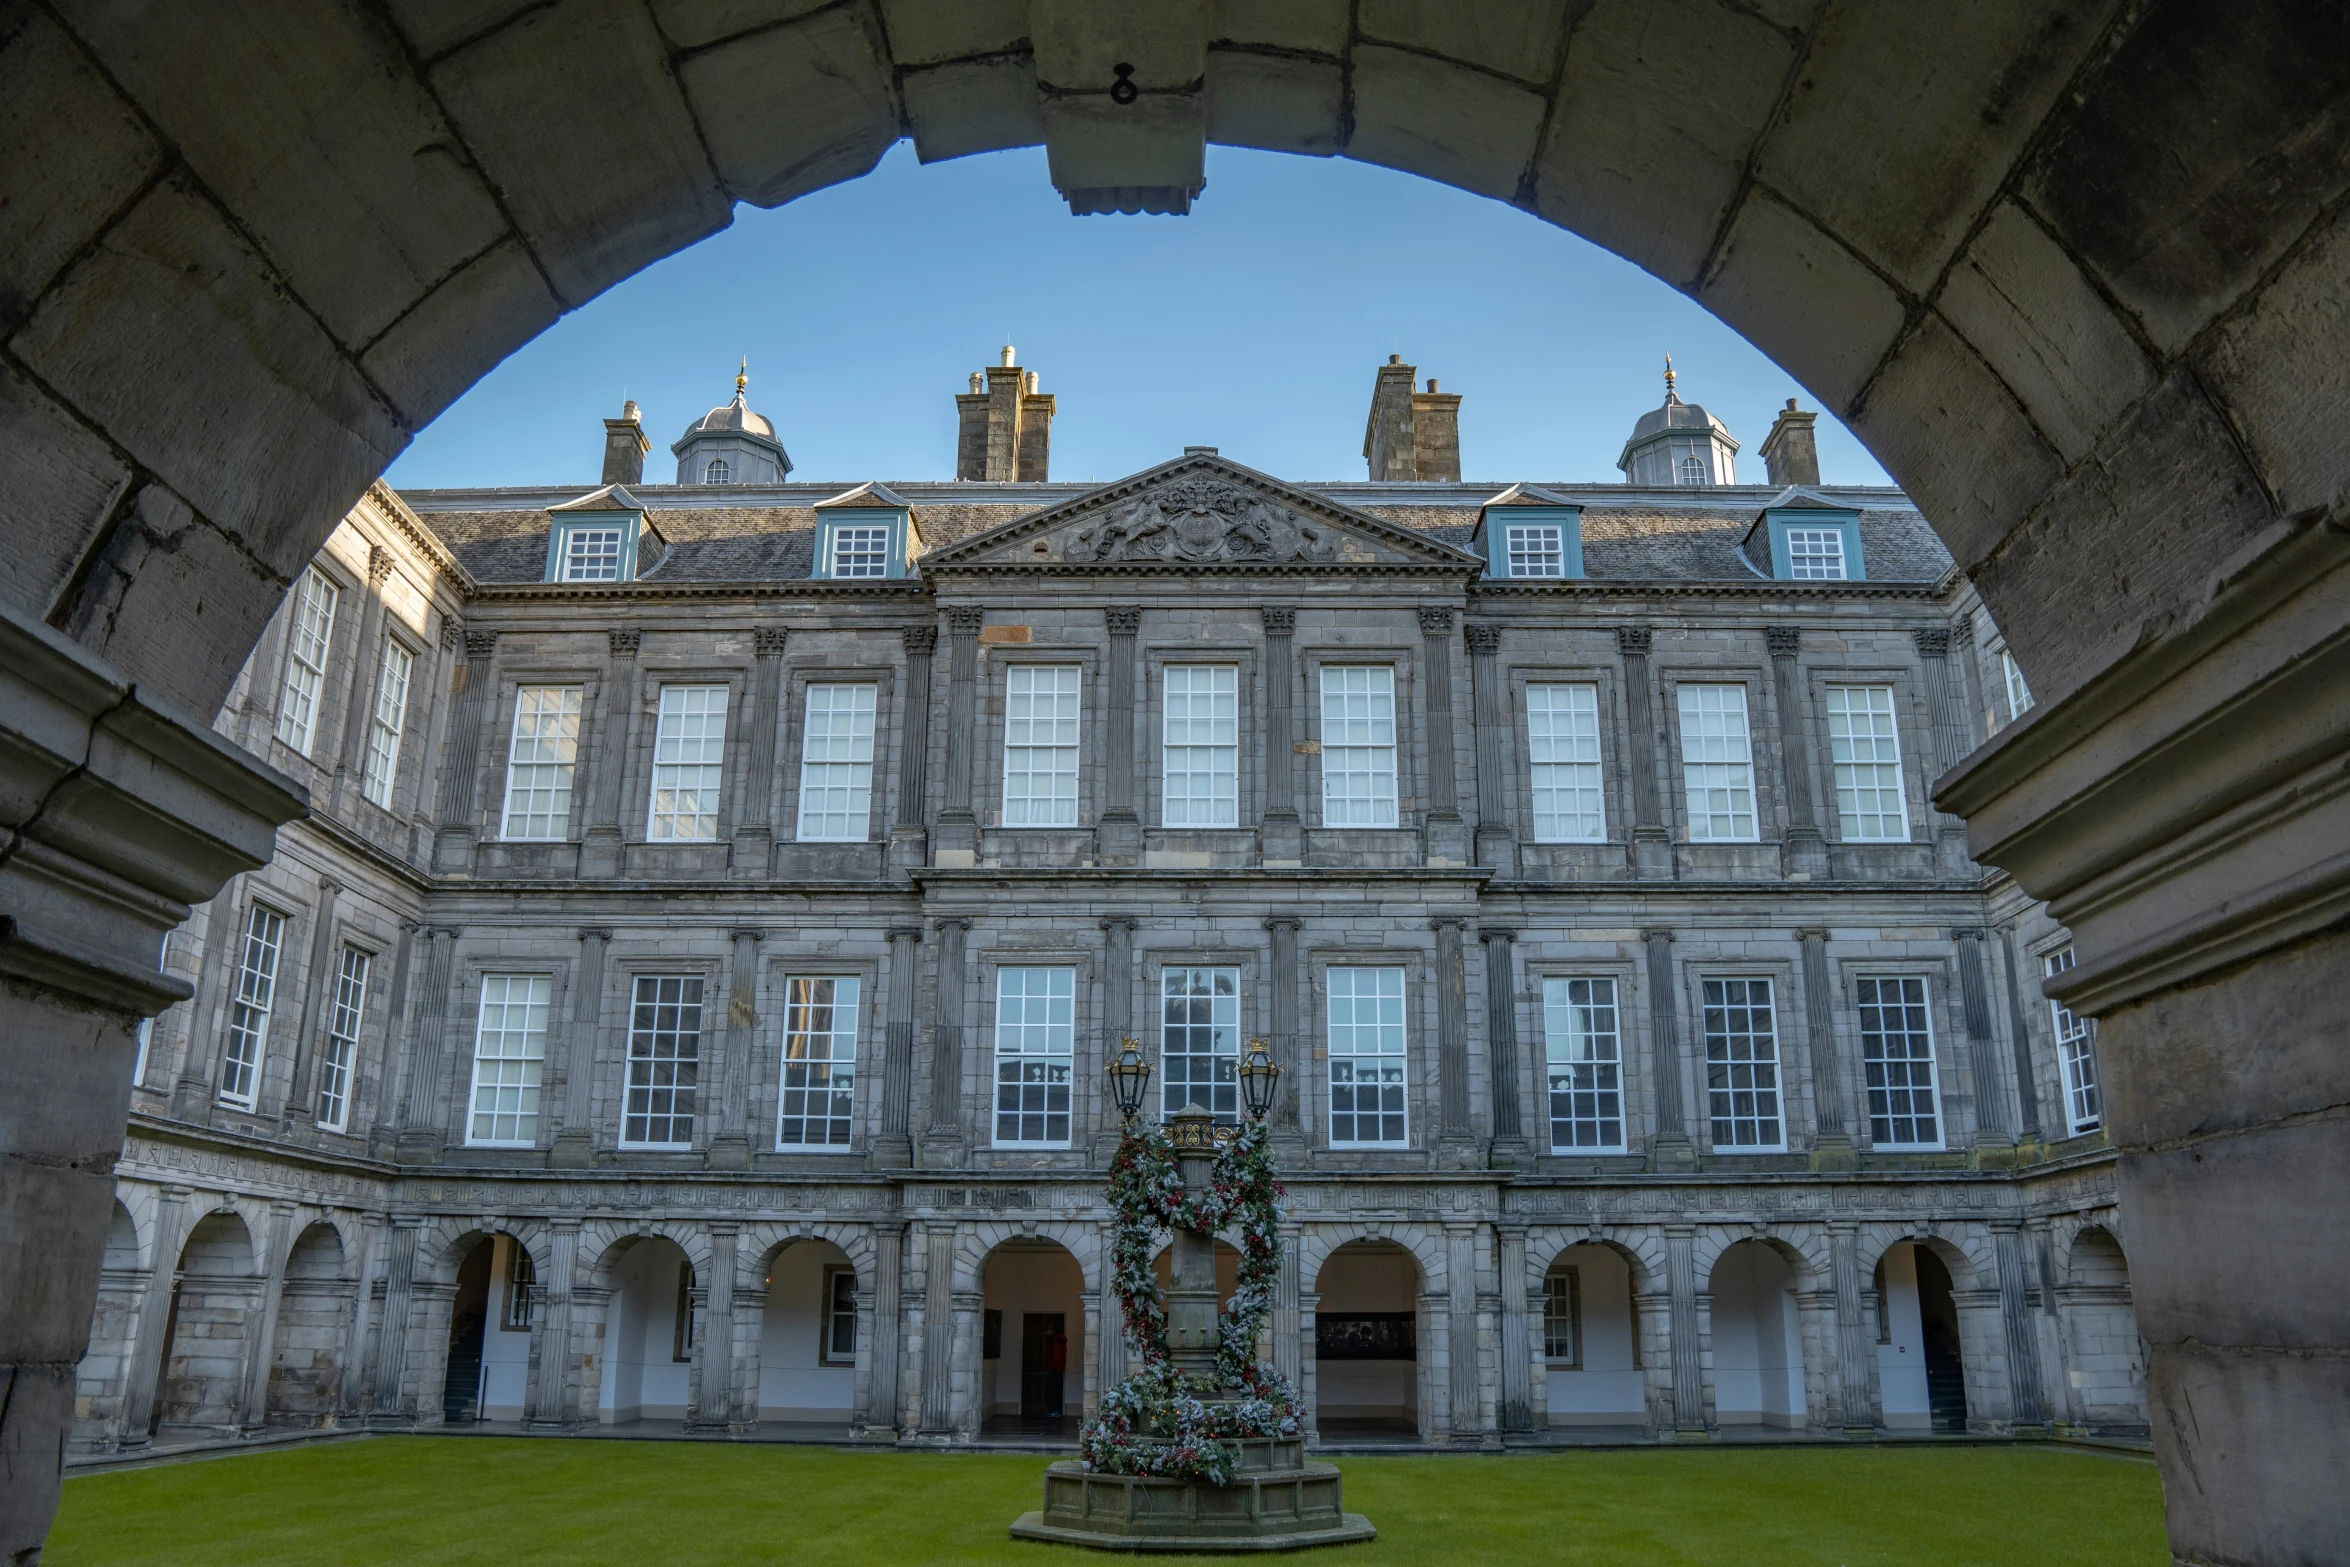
731 444
1678 444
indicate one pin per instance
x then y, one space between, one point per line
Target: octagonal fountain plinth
1278 1501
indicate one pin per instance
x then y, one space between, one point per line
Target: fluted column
1118 840
366 660
1497 843
730 1149
277 1239
1289 1336
1280 836
908 835
297 1110
883 1354
1652 846
958 823
1517 1332
2027 1085
573 1145
600 843
1688 1372
1456 1148
1832 1141
1117 1024
714 1350
421 1135
456 828
894 1149
1994 1138
2027 1404
1464 1411
1510 1148
146 1358
938 1328
1446 837
552 1405
942 1144
1856 1346
1946 705
1806 854
1281 975
390 1407
1670 1148
754 832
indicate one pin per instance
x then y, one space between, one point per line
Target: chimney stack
1791 452
1005 426
625 447
1412 435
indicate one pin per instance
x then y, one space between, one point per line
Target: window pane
1199 1041
1815 554
664 1061
1202 746
861 551
1717 763
689 748
1358 746
307 640
836 765
249 1007
540 761
1366 1058
819 1063
1040 745
386 724
1562 751
2019 695
1742 1064
840 1316
1867 757
1897 1056
1035 1033
1579 1035
509 1047
341 1051
1537 551
1561 1317
591 555
2076 1055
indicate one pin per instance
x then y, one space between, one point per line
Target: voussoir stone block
1800 296
929 32
2280 372
309 124
791 109
1443 121
1517 38
1275 101
60 479
574 117
460 331
972 106
2017 297
690 24
1314 26
1657 110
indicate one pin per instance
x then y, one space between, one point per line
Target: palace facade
687 1001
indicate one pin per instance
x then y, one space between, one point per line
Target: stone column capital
1811 933
769 641
379 565
1435 621
1121 922
1633 641
1934 643
749 933
1124 620
1284 922
920 641
1484 637
624 641
905 933
1280 620
1783 641
595 933
1501 933
1653 936
964 620
480 645
943 926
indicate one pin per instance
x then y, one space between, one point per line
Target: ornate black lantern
1130 1077
1259 1077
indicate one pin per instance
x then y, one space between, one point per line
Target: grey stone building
688 998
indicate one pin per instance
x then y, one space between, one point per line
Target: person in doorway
1056 1372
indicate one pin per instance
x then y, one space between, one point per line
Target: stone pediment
1198 512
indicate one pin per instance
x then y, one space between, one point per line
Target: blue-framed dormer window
1816 546
1530 543
866 534
594 547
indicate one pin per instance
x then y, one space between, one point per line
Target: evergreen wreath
1159 1421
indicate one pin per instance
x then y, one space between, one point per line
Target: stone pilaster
276 1239
881 1398
146 1358
358 694
298 1110
715 1406
553 1406
1856 1346
2027 1404
730 1148
1652 844
573 1145
1517 1331
1946 705
1688 1370
1456 1147
1497 843
1117 1024
1118 838
421 1135
1994 1141
909 837
1510 1150
943 1141
1464 1410
457 829
957 839
894 1149
1805 854
1280 835
1282 981
1832 1147
754 834
1447 838
2027 1083
1670 1147
938 1328
599 848
391 1406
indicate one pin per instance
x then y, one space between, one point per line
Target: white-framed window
1201 754
249 1007
1815 554
1358 745
1717 764
1867 757
2019 695
1690 470
307 640
717 472
509 1052
1367 1058
1537 549
819 1062
340 1054
592 554
1562 752
540 761
2076 1054
836 764
664 1062
1199 1041
1035 1038
522 1287
1742 1066
860 549
689 753
1582 1045
839 1346
1040 745
1897 1059
1562 1318
386 723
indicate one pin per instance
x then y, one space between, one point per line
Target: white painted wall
1757 1339
642 1379
1606 1389
1368 1279
1901 1363
794 1384
505 1357
1018 1282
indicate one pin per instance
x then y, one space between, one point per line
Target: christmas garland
1159 1421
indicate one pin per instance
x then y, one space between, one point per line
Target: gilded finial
1669 396
742 377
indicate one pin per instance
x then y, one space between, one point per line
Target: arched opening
102 1380
208 1329
1590 1338
1367 1343
2106 1360
488 1367
1757 1339
649 1327
1032 1332
1921 1366
306 1358
808 1336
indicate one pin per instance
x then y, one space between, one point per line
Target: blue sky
1254 325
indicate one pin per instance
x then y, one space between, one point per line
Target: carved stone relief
1203 520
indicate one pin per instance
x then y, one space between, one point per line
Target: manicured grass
410 1500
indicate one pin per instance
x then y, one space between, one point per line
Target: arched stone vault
2074 270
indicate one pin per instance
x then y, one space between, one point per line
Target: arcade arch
650 1319
807 1335
1588 1336
1032 1337
209 1328
1923 1369
1759 1335
306 1361
2105 1358
1368 1367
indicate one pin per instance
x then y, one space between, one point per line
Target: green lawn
498 1502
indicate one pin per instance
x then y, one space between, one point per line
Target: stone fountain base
1277 1502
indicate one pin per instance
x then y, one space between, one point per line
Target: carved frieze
1203 521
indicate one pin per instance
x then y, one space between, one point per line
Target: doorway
468 1323
1938 1326
1044 1363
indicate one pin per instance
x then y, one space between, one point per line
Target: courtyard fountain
1201 1449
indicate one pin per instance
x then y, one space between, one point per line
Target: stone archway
2078 284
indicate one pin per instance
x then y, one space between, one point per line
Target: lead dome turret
732 444
1679 443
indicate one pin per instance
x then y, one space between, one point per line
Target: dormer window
1537 550
601 538
716 473
864 535
860 550
1815 554
1810 539
1529 535
592 553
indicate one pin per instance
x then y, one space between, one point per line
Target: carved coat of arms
1203 521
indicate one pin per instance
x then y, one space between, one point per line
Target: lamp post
1259 1077
1130 1077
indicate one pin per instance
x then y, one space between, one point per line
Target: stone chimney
1790 453
1411 435
1006 425
625 447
